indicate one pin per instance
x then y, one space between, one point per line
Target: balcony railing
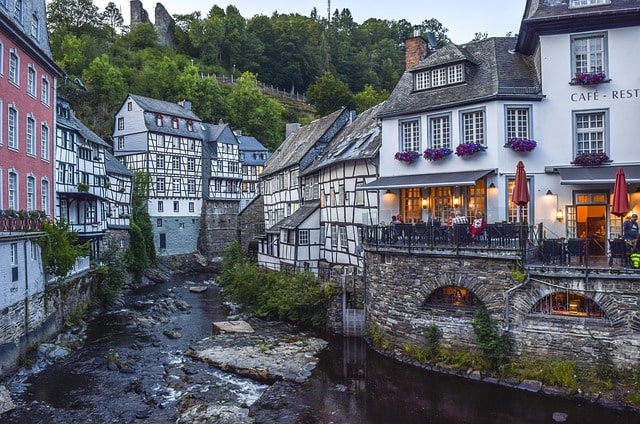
9 224
505 238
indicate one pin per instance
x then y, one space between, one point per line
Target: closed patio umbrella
520 195
620 201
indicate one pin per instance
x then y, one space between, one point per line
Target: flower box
588 78
590 159
468 149
408 157
436 154
521 144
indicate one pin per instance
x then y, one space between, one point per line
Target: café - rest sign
630 93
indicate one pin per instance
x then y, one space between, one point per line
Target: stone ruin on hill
164 23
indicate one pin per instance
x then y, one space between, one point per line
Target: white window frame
30 141
344 240
44 196
159 161
191 164
586 55
31 193
44 141
1 58
35 27
191 186
410 135
32 85
14 67
12 186
518 121
473 123
160 185
303 237
440 131
45 91
12 127
175 162
591 131
175 185
160 206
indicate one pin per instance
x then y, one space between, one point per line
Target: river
352 384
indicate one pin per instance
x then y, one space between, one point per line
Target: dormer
447 66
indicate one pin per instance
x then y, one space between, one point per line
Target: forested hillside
336 62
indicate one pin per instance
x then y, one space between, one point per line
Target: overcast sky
463 18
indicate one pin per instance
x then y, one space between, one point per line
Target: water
352 383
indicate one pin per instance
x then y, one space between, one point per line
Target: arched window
452 296
569 304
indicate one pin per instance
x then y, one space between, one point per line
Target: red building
28 108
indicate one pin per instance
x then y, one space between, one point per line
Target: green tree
141 217
73 56
60 248
111 274
328 94
112 19
74 16
137 258
142 36
369 97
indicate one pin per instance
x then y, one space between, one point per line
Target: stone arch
569 303
453 289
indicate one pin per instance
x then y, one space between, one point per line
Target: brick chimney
415 50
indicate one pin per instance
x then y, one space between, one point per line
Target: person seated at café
630 231
400 218
477 227
395 220
459 219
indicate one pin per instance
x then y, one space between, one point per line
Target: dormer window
189 125
588 3
159 120
439 77
174 123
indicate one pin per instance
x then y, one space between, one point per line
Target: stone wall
164 23
398 285
219 227
181 234
250 226
38 317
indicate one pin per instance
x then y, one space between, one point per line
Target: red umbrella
520 195
620 203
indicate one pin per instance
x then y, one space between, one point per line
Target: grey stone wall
39 317
116 237
165 27
219 226
250 226
398 285
181 234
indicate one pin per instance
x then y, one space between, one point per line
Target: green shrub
495 346
373 333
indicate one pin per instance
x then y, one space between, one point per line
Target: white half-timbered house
119 191
350 162
282 194
253 156
81 179
164 140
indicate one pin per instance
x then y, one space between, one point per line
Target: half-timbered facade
119 191
81 179
164 140
282 194
253 156
350 162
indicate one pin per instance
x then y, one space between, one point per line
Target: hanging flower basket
521 144
436 154
469 149
590 159
408 157
588 78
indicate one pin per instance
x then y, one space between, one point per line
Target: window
439 77
191 164
334 236
129 106
14 262
517 122
44 87
410 136
517 213
191 187
303 237
12 133
159 222
44 196
588 53
159 161
449 296
159 120
31 136
176 185
190 128
120 124
344 241
44 142
120 143
569 304
13 191
176 206
14 65
31 81
31 193
175 162
473 127
160 186
35 27
160 206
440 127
192 207
17 14
220 165
587 3
174 123
1 58
590 132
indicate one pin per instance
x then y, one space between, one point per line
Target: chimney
185 104
415 50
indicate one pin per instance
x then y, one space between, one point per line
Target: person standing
630 231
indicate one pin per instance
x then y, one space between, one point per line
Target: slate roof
545 17
249 146
217 133
114 166
163 107
76 125
360 139
296 219
297 144
493 71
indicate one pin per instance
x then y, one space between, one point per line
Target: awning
577 175
465 178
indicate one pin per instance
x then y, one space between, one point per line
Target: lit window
410 133
569 304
